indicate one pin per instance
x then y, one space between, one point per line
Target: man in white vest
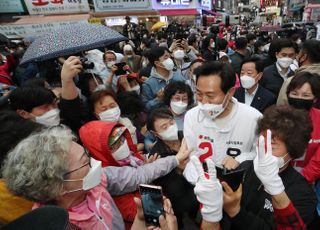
220 127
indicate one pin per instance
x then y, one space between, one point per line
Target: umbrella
4 40
158 25
70 39
270 28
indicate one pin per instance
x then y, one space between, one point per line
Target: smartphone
4 88
120 70
152 203
232 177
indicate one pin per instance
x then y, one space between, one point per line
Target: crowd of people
170 108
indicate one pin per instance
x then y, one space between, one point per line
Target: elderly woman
179 99
274 195
51 168
104 106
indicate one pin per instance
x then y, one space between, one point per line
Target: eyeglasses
88 163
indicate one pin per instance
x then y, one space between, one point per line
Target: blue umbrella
70 39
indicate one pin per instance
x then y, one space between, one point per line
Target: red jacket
5 71
309 163
94 136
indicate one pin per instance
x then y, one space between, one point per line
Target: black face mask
300 103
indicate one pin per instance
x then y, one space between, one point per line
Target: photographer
208 49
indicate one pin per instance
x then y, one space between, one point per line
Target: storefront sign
273 10
20 31
11 6
119 21
56 6
318 32
175 4
121 5
206 4
96 21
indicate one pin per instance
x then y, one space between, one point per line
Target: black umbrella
69 40
4 40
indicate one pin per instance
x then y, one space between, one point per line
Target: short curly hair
177 87
290 125
35 168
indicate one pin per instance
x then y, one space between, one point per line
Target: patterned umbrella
4 40
70 39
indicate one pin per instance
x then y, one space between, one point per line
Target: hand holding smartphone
152 203
120 70
232 177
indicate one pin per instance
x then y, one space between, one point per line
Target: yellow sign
96 20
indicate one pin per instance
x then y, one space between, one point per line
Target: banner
11 6
175 4
23 30
121 5
56 6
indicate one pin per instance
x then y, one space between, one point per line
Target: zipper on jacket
102 221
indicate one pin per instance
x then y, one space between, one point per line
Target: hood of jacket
155 74
312 68
95 136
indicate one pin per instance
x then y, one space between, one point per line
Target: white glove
208 191
266 167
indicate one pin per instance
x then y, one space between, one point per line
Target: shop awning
178 12
313 5
296 8
209 12
37 19
146 13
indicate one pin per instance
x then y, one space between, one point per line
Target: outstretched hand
266 166
208 191
71 68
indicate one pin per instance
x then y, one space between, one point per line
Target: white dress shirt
248 98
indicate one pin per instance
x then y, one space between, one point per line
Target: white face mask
50 118
110 64
194 77
247 82
212 45
178 54
122 152
280 161
129 56
111 115
285 62
92 179
99 87
212 111
135 88
144 64
178 107
170 134
163 44
168 64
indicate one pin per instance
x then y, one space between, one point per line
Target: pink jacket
97 212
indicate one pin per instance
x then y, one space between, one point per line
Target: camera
86 64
